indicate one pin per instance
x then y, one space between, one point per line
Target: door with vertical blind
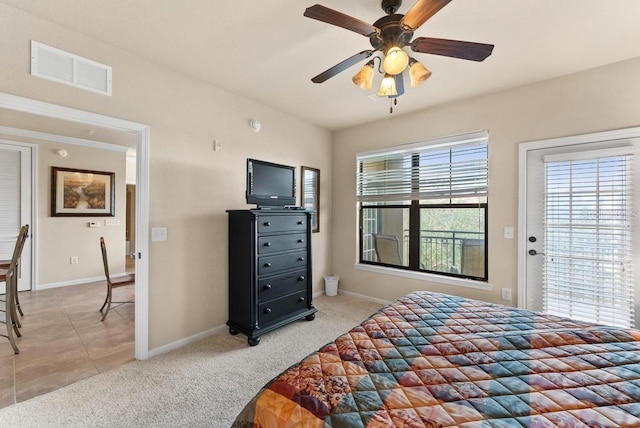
15 206
582 231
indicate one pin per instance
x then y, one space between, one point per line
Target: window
588 218
424 207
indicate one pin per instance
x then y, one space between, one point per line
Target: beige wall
596 100
59 238
191 185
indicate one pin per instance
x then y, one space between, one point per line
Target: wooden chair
10 277
113 282
4 264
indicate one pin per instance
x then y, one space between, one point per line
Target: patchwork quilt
434 360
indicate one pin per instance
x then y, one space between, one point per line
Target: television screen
270 184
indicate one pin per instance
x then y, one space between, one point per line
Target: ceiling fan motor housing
391 33
391 6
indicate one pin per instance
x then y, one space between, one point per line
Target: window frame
414 237
415 207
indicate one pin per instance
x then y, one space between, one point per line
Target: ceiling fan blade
452 48
421 12
341 66
330 16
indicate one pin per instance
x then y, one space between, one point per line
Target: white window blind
588 271
440 171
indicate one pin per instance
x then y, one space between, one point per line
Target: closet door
15 206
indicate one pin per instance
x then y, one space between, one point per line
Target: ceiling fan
390 35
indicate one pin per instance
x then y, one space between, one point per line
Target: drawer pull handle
267 310
267 265
300 259
267 223
267 286
300 241
301 299
301 222
267 244
301 278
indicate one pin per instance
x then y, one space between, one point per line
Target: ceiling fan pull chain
394 102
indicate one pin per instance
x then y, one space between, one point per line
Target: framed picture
82 193
311 195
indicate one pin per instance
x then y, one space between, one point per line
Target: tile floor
63 340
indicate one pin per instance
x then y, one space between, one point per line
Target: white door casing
40 108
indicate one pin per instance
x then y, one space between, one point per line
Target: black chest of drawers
269 270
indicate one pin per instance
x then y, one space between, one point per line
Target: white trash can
331 285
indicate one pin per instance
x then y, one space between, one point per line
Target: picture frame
82 193
310 194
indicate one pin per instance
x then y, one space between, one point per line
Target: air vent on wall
64 67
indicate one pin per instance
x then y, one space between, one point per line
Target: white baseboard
203 335
74 282
364 297
354 295
187 340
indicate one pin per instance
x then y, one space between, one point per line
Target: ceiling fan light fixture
395 61
417 72
388 86
364 78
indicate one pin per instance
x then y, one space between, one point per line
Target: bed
435 360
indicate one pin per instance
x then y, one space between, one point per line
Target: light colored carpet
204 384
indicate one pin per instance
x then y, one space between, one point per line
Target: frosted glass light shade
364 78
395 61
418 73
388 86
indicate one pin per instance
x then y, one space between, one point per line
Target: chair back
17 250
387 249
105 262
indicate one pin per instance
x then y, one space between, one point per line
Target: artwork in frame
311 195
82 193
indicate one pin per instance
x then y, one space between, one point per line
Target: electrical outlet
506 294
112 222
73 260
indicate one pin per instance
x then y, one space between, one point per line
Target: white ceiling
265 50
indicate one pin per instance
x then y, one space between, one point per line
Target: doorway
577 238
16 166
26 105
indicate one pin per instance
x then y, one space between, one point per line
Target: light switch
508 232
158 234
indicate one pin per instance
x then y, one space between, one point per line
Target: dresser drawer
276 286
274 243
282 223
274 264
283 306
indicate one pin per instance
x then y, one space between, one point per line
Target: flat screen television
270 185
